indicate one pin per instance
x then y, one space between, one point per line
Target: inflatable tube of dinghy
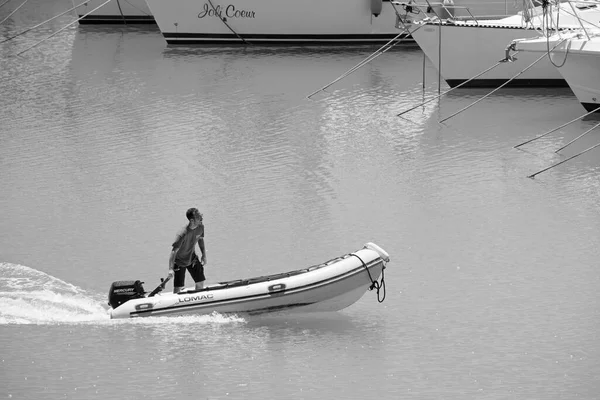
376 7
382 253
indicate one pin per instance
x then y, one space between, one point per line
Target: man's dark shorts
196 270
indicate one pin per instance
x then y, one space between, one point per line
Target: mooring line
504 84
447 91
121 11
65 27
14 11
136 8
369 58
564 161
226 24
579 137
557 128
387 46
40 24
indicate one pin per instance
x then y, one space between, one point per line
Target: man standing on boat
183 256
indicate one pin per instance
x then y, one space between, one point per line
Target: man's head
194 216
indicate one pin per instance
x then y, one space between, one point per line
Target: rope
504 84
42 23
224 20
564 161
455 87
6 1
374 283
557 128
364 62
14 11
121 11
137 8
63 28
550 57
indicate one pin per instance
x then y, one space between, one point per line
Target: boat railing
586 26
551 22
544 17
437 12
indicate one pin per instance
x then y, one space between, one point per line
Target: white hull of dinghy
331 286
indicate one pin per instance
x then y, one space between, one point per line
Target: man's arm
202 250
172 261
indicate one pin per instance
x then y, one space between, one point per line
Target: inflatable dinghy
330 286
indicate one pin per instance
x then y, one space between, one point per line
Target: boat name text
230 12
196 298
125 290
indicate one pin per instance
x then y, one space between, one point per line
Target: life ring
376 7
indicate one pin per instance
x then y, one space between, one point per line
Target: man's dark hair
191 213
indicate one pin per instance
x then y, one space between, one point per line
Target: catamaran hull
331 286
282 21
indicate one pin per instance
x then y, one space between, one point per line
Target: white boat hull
576 58
331 286
469 48
468 51
268 21
115 12
582 71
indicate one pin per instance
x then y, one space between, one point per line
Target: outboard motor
122 291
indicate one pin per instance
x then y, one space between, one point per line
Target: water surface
107 136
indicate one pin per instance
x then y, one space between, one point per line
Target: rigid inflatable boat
330 286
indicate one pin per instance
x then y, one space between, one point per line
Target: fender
376 7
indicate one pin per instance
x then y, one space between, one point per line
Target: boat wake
29 296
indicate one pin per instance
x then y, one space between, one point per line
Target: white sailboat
462 49
576 57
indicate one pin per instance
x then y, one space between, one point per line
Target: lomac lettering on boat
230 12
190 299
